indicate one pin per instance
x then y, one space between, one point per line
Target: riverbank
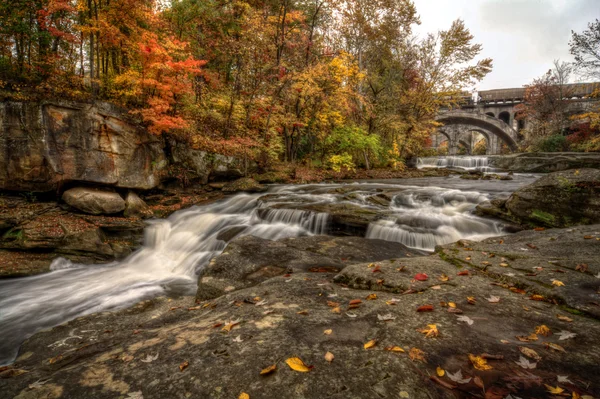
515 315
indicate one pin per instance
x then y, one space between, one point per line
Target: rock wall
44 145
545 162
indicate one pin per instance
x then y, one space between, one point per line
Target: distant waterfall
314 222
462 162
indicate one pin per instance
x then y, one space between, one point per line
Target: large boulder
245 184
559 199
136 207
94 201
545 162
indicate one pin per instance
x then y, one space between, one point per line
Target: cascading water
480 163
177 248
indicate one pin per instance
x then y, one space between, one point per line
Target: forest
339 83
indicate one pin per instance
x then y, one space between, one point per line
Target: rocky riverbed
512 315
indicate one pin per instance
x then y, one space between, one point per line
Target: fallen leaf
557 283
297 364
543 330
328 332
478 381
194 308
268 370
425 308
588 237
493 299
443 383
468 258
556 347
443 277
371 297
539 229
394 349
529 338
244 395
183 366
329 357
582 267
440 371
530 353
463 273
525 363
336 310
554 390
466 319
386 317
355 302
417 354
351 315
332 304
503 264
479 363
458 377
563 378
377 269
430 331
471 300
565 335
421 277
370 344
230 325
455 310
436 287
452 304
531 246
149 358
303 312
537 298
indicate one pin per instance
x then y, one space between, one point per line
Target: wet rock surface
94 201
545 162
556 200
214 349
249 260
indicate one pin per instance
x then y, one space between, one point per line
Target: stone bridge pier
464 135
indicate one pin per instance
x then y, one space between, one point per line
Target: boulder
545 162
559 199
245 184
136 207
94 201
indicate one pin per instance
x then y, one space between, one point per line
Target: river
421 213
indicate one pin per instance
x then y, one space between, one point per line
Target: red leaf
421 277
425 308
463 273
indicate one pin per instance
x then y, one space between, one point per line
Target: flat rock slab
248 260
180 349
94 201
562 265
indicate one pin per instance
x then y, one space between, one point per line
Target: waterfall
463 162
314 222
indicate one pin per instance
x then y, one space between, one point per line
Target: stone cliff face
44 145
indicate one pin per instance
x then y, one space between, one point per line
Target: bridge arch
456 122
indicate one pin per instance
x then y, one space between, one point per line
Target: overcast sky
523 37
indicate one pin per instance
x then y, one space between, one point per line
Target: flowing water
465 162
419 213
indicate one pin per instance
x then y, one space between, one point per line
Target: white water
177 248
462 162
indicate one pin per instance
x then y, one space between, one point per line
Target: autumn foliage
338 84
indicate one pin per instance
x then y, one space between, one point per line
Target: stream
418 213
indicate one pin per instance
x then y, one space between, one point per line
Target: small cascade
314 222
480 163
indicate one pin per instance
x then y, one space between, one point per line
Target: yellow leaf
575 395
329 357
370 344
391 303
431 331
183 366
556 347
440 371
530 353
328 332
542 330
564 318
268 370
479 363
555 390
394 349
471 300
336 310
244 395
230 325
297 364
443 277
452 304
371 297
558 283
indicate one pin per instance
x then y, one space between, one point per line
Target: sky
523 37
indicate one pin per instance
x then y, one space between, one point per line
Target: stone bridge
493 117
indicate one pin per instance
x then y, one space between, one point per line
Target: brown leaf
564 318
230 325
543 330
303 312
556 347
394 349
582 267
425 308
471 300
443 383
478 381
355 302
529 338
184 365
333 304
430 331
531 246
588 237
268 370
463 273
336 310
371 297
417 354
539 229
530 353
